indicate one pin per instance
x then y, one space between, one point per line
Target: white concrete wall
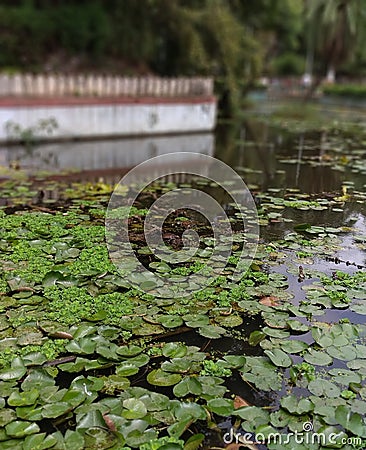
114 119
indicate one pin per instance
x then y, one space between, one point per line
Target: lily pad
188 385
278 357
20 429
324 388
126 369
221 406
170 321
345 353
317 357
293 346
160 378
74 440
23 398
14 373
174 350
211 331
6 416
134 409
129 350
256 337
196 321
115 383
352 422
39 442
231 321
53 410
297 406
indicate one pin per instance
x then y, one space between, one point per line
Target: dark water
260 148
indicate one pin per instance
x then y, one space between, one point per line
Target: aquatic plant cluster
88 362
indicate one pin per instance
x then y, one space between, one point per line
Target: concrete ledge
13 101
79 118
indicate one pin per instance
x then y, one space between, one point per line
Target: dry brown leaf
62 335
269 301
239 402
109 422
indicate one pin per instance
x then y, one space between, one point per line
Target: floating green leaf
317 357
23 398
135 409
211 331
6 416
278 357
188 385
351 422
221 406
297 406
174 350
325 388
256 337
39 442
20 429
160 378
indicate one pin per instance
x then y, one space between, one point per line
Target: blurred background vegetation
236 41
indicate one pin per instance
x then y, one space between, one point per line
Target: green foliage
71 305
30 32
335 30
214 369
346 90
29 136
164 442
288 64
304 370
93 259
165 37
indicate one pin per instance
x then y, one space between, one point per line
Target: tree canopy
234 40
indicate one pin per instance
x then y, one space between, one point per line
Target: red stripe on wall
91 101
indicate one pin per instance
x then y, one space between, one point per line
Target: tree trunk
331 75
312 89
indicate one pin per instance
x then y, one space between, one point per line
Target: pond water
298 317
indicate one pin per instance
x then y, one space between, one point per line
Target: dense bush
288 64
346 90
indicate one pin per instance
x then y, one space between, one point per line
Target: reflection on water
107 154
253 148
268 158
257 151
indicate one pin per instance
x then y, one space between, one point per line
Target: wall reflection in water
106 154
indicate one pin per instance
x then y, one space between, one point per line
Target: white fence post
5 85
17 85
103 85
99 85
133 86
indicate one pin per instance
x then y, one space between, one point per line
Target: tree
333 28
